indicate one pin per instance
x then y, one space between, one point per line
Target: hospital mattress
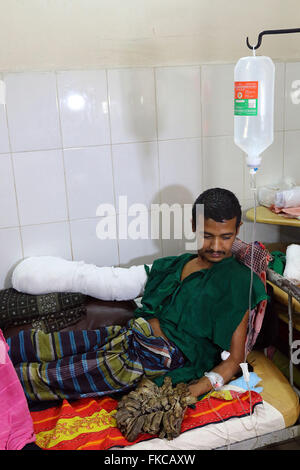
279 410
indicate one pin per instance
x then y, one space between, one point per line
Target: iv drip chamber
254 79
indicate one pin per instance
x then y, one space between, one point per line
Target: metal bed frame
293 291
292 431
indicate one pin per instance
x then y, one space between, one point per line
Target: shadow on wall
134 108
7 281
171 224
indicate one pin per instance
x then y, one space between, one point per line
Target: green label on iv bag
245 107
245 98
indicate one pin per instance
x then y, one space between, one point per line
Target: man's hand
200 388
154 322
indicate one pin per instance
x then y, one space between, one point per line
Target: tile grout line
158 150
202 141
112 164
64 166
130 67
14 178
284 120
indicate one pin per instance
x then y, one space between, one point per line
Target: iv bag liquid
254 106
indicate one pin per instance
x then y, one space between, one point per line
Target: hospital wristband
215 379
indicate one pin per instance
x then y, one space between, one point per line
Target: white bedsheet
265 419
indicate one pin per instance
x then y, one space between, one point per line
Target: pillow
292 266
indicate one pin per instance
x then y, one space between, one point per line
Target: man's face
218 239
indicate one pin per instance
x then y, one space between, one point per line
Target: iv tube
253 189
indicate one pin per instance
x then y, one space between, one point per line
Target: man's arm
228 368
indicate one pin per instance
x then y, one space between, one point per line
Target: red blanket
89 423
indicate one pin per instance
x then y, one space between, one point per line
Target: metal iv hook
271 31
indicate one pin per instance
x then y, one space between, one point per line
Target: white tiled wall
72 140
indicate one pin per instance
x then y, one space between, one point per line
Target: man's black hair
219 205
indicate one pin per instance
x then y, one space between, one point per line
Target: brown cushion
276 389
104 313
98 313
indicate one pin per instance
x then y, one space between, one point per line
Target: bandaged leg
46 274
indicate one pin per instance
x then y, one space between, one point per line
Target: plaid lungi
78 364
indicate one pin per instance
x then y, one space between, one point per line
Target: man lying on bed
194 307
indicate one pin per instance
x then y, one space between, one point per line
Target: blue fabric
253 381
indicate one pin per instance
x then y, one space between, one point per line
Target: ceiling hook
271 31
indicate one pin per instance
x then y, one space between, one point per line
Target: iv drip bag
254 106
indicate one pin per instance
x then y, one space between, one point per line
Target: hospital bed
276 419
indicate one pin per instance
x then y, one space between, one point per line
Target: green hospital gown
200 313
